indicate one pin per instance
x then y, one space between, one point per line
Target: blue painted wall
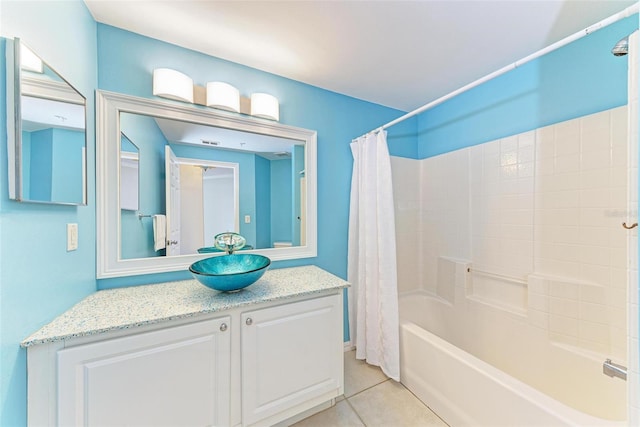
39 279
576 80
281 201
263 203
52 165
41 165
66 165
26 162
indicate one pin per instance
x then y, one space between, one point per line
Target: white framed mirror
259 175
46 132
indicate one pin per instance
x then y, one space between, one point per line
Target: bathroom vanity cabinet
259 361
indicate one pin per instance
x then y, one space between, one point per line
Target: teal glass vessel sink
229 273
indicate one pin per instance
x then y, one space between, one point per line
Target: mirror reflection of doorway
174 203
208 202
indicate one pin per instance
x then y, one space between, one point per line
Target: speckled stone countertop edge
28 342
59 329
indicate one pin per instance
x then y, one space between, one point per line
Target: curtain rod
631 10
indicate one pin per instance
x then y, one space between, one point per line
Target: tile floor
371 399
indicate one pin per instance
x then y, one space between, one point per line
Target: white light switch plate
247 219
72 237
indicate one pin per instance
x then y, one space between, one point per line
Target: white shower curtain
372 271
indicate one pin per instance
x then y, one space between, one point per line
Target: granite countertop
124 308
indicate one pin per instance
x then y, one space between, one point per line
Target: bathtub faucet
614 370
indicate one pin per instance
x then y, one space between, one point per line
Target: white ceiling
401 54
42 113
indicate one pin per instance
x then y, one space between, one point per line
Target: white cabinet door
291 355
174 376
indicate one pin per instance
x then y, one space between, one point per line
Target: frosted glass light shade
29 61
223 96
172 84
265 105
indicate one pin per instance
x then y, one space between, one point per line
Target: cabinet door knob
249 321
223 327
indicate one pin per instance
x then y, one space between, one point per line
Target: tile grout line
385 379
355 411
355 394
375 385
425 405
368 388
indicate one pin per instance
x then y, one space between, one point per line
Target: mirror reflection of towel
159 232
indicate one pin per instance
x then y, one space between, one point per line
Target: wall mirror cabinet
172 176
46 132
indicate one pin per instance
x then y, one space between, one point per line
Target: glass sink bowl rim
232 279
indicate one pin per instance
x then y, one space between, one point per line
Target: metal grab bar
614 370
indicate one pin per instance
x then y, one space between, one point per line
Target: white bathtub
467 391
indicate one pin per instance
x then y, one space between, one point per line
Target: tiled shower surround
537 220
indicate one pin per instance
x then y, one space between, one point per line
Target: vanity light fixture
223 96
172 84
265 106
29 61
